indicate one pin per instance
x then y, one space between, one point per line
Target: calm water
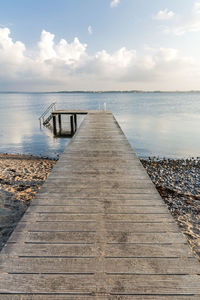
156 124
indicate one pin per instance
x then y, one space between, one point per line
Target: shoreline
177 181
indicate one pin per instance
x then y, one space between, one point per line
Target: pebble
178 182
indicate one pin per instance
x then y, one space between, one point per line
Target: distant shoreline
99 92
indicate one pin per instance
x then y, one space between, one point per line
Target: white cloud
114 3
72 53
68 53
67 65
164 15
167 54
188 23
120 59
196 8
90 30
46 46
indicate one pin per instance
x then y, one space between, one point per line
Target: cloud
121 58
46 46
164 15
188 23
114 3
67 66
90 30
65 52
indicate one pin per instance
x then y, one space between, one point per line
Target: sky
56 45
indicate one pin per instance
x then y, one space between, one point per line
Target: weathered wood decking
98 229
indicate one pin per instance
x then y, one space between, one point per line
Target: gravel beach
21 177
178 182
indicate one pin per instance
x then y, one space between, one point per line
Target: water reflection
164 124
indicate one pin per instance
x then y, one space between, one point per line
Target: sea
157 124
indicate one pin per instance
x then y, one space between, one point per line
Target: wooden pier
57 114
98 229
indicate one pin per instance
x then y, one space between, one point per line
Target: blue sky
48 45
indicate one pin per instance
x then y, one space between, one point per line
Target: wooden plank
114 284
141 227
122 197
111 250
58 217
151 266
57 226
96 297
97 209
147 238
52 265
70 112
47 283
146 218
46 250
94 182
87 202
93 191
54 237
147 250
54 297
68 265
92 226
65 209
111 237
154 284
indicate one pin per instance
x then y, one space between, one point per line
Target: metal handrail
51 107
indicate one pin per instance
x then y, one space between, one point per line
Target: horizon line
99 91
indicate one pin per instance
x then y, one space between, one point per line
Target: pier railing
44 119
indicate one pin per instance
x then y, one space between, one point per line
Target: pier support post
60 123
75 121
54 125
72 124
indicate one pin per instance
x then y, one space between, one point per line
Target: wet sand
21 177
178 182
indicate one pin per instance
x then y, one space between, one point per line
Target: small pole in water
104 106
99 106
